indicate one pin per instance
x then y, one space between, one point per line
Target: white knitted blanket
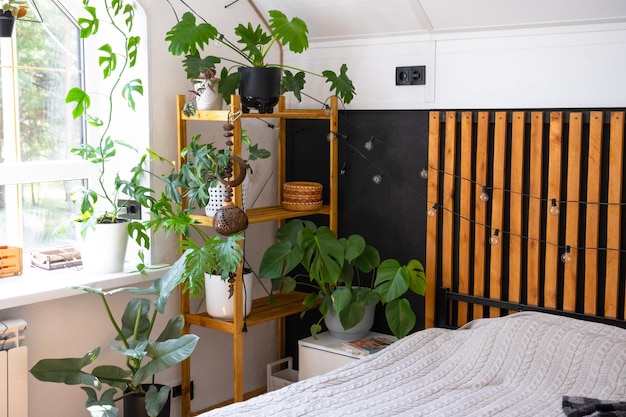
520 365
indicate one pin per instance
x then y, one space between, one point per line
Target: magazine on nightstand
368 344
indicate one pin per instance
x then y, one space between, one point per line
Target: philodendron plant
189 38
334 266
144 357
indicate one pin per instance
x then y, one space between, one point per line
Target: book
368 344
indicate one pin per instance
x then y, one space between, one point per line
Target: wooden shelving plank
265 214
262 311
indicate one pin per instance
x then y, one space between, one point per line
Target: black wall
390 216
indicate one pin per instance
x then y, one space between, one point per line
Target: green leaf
135 320
195 65
67 370
315 329
323 254
173 329
82 100
291 33
392 280
165 355
132 46
112 375
103 407
156 399
252 39
279 259
107 61
417 277
400 317
341 84
88 26
228 84
132 87
188 38
292 83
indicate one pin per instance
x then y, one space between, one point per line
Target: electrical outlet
415 75
177 390
130 209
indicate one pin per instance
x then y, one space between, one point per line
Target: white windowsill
36 285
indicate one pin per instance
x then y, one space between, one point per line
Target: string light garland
484 196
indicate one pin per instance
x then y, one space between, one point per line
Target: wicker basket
302 195
10 261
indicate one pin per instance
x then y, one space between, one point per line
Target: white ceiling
350 19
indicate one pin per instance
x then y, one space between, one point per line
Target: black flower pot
259 88
7 21
135 405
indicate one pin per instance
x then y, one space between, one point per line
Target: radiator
13 369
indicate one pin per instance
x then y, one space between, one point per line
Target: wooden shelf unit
262 309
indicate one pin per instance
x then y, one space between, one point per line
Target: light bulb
483 195
369 145
554 208
495 238
377 179
432 212
424 173
566 257
331 136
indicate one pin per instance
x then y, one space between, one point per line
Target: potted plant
188 38
114 65
11 10
333 267
204 95
184 191
144 356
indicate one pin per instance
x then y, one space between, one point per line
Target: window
38 65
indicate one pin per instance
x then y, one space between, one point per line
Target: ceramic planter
219 303
103 249
217 196
208 99
331 320
259 88
7 22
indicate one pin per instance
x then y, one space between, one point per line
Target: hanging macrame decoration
229 218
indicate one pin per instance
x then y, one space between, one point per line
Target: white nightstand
324 354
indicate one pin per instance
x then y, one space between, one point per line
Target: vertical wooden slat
448 238
480 209
497 208
534 206
594 172
572 211
431 222
614 213
516 206
552 222
465 211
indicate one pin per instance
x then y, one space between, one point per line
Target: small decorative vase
7 22
357 332
103 249
217 196
219 303
208 99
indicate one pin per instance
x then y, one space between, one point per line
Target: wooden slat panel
573 209
497 207
516 209
552 222
594 172
534 206
465 211
431 222
614 213
448 238
480 208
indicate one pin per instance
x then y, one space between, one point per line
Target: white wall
568 66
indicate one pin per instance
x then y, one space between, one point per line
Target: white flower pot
208 99
103 249
219 304
216 195
357 332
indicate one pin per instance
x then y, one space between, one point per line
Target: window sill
37 285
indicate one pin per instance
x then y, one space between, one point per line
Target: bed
520 365
526 288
